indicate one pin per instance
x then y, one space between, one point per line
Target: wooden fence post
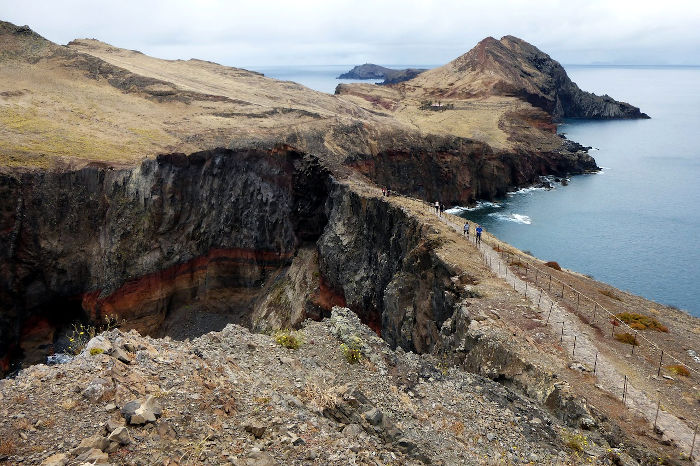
595 364
658 405
658 372
561 339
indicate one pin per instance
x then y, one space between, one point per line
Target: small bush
517 263
609 294
82 334
288 339
576 442
7 447
94 351
641 322
627 338
678 369
553 265
457 428
353 350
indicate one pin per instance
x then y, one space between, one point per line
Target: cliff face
211 228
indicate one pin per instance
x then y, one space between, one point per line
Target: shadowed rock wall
138 243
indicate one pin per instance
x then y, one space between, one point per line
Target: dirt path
610 374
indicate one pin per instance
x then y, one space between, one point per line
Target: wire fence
587 309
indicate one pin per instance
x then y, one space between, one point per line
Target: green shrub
641 322
288 338
627 338
678 369
94 351
576 442
82 333
352 350
609 294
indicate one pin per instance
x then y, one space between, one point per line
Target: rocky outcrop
389 75
373 253
460 172
136 244
517 68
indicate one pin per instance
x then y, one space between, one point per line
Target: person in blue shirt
478 234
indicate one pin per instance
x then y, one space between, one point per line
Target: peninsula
389 75
272 305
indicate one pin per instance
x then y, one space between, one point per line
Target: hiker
388 190
437 207
478 234
383 191
442 207
466 229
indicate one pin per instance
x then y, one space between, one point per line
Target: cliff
177 197
116 107
389 75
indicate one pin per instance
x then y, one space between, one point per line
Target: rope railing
490 240
626 386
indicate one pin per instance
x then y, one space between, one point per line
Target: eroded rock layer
138 243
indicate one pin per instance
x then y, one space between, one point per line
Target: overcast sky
299 32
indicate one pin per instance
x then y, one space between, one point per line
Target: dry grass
7 447
641 322
627 338
457 428
318 396
610 294
68 404
553 264
678 369
22 424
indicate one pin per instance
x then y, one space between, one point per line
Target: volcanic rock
390 76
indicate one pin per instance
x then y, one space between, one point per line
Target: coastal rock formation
513 67
389 75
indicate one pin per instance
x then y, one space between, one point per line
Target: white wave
515 218
479 205
526 190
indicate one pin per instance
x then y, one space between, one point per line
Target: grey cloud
391 31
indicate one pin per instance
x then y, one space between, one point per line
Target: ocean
635 224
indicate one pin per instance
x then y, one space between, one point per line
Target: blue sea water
634 225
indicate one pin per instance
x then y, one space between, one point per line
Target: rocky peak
513 67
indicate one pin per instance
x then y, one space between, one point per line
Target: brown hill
513 67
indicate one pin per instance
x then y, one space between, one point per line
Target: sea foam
515 218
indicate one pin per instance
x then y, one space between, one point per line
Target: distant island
390 76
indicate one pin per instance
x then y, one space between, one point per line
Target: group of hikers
386 191
478 231
439 208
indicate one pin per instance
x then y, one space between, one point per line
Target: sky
330 32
